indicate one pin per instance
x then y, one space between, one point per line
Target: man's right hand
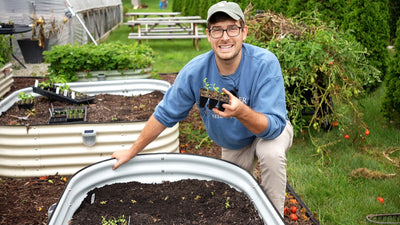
122 156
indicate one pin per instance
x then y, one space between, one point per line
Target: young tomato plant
325 71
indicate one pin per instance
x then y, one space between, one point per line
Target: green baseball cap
230 8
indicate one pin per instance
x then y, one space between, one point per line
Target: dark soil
180 202
26 201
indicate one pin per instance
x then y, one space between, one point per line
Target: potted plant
26 100
61 93
42 30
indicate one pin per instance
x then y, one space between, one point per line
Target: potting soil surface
179 202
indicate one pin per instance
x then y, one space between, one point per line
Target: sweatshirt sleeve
269 97
177 102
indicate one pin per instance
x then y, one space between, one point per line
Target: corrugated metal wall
50 149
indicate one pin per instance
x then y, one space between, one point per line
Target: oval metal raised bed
40 150
156 168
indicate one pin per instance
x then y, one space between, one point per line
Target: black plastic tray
59 97
62 115
309 213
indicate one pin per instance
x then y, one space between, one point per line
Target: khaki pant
272 157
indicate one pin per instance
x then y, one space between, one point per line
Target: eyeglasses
218 32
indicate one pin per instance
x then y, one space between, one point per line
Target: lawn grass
328 189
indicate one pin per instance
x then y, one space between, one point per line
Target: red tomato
346 136
335 123
293 200
367 132
293 209
293 217
380 199
286 210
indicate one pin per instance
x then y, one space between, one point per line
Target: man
253 125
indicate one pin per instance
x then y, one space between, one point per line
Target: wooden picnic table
168 29
170 18
146 14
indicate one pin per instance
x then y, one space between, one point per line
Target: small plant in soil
26 100
214 97
114 221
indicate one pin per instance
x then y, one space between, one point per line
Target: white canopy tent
98 16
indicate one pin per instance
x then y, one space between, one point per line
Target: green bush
368 21
66 60
391 102
394 12
323 68
5 50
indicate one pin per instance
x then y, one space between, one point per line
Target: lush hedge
66 60
391 102
368 21
394 12
5 50
324 69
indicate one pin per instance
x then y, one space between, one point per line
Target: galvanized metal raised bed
156 168
66 148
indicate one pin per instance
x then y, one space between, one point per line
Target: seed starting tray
68 114
80 99
213 98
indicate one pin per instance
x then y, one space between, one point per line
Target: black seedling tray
68 115
214 98
79 99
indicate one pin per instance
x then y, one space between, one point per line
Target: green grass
328 189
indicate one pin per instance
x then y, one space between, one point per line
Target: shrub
5 50
368 21
391 102
323 68
66 60
394 12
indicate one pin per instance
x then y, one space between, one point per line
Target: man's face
226 47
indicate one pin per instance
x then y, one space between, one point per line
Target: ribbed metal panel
156 168
6 79
49 149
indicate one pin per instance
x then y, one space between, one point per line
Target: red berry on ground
286 210
293 217
380 199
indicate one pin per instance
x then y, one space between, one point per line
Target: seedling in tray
26 102
61 93
68 114
214 98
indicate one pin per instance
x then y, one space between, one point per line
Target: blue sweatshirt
258 80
